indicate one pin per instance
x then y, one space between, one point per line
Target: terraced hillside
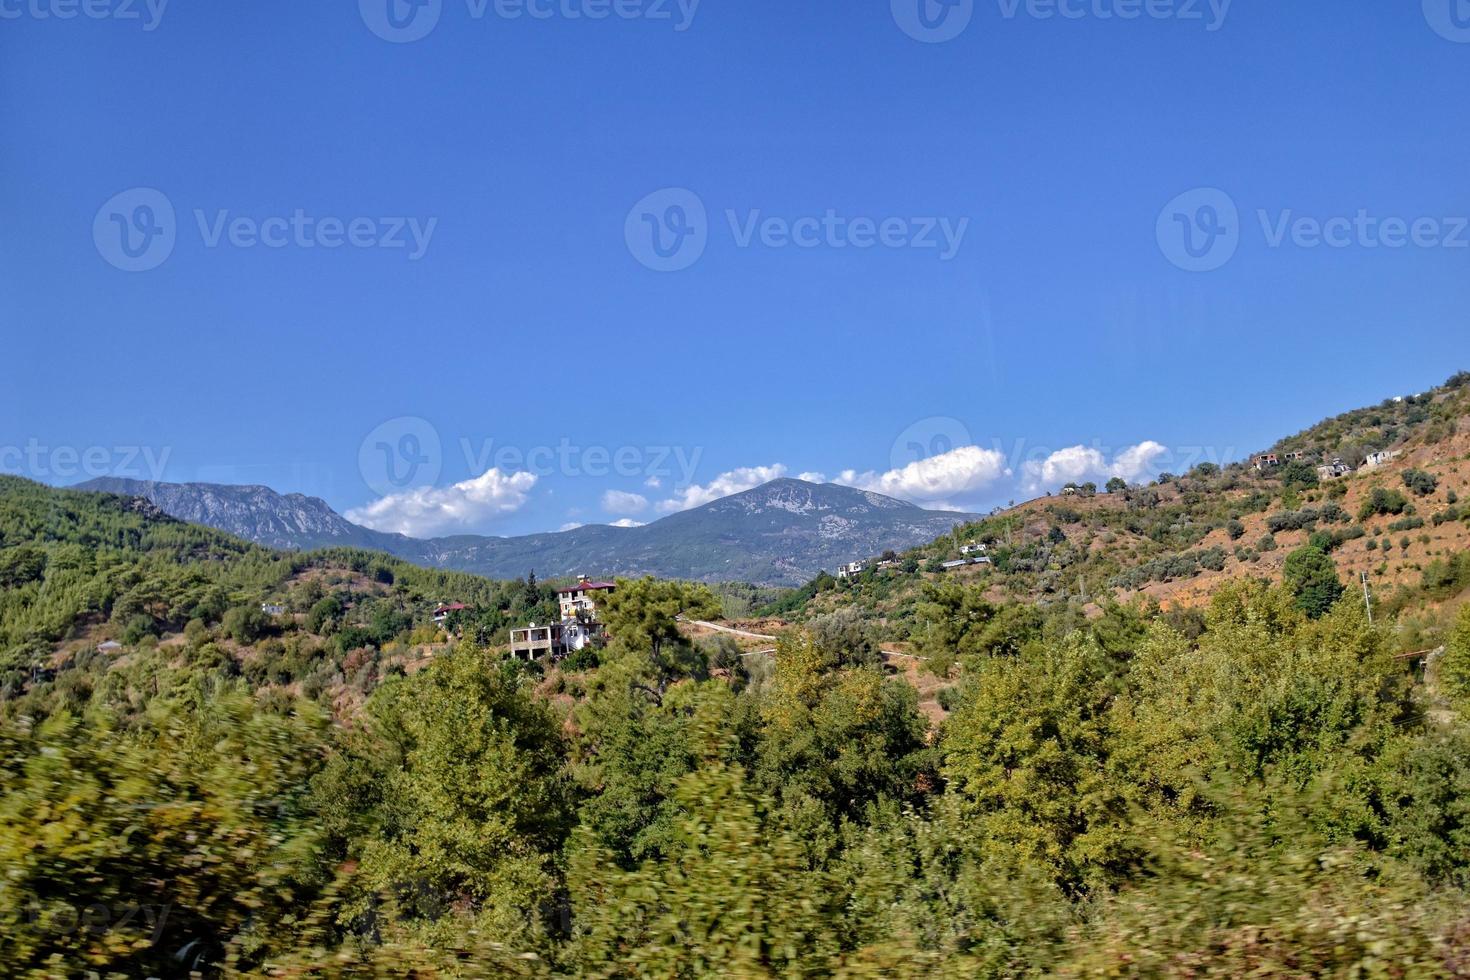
1404 523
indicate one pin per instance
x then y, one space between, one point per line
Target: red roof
587 587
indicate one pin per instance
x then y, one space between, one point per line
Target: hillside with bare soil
1403 523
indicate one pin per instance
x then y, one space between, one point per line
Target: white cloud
653 483
1137 461
628 522
428 511
618 502
572 526
1078 464
967 469
1071 465
735 481
813 477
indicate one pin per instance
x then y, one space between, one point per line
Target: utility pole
1367 597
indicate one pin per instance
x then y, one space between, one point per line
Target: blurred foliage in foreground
1265 795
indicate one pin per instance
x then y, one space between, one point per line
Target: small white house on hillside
1375 460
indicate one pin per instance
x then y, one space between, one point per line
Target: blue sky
951 269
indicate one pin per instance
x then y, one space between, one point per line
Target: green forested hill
1266 791
91 566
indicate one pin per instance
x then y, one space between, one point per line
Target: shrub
1420 482
582 661
1299 475
244 624
1382 501
138 627
323 616
1292 520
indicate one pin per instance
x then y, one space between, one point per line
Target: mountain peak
782 532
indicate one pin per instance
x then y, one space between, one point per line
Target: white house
273 609
580 600
554 641
1333 470
1375 460
852 569
974 548
442 613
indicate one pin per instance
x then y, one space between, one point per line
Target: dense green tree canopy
1256 788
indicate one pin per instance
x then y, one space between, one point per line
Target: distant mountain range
781 533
